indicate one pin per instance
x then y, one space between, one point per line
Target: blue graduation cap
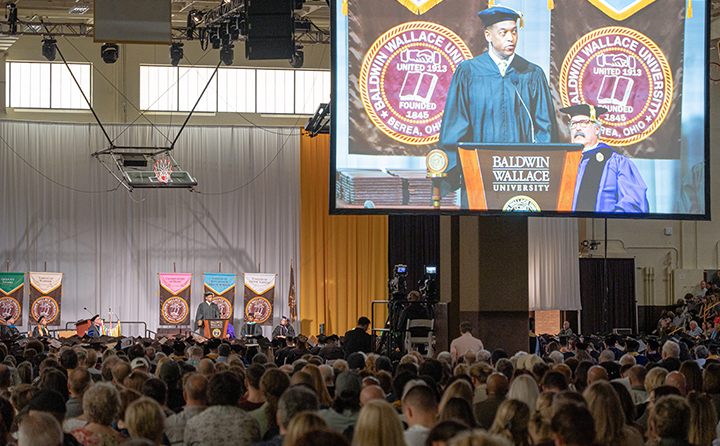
498 13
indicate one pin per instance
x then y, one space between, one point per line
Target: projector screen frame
336 14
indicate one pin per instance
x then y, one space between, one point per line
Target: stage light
196 16
110 52
193 19
227 54
298 58
176 53
49 48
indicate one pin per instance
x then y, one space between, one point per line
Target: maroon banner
175 292
627 64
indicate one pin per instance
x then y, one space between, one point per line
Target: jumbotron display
595 108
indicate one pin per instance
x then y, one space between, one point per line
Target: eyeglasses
580 123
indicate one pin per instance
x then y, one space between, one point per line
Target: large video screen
590 108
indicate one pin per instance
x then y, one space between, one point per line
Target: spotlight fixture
193 19
196 16
298 58
227 54
110 52
176 53
49 48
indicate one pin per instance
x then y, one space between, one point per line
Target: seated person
230 334
283 330
8 329
250 329
95 330
41 329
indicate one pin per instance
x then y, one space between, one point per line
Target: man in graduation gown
606 181
495 97
251 329
207 310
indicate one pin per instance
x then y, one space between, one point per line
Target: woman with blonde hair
524 388
301 424
607 411
511 422
703 419
478 437
145 419
319 384
378 425
458 389
540 421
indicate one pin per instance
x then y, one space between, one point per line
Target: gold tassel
491 3
688 14
345 7
522 23
551 4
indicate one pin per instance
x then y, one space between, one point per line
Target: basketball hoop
162 169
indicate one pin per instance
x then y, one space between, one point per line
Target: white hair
607 356
483 355
627 359
671 349
557 357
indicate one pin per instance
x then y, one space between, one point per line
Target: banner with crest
260 296
222 285
12 289
45 297
175 292
614 55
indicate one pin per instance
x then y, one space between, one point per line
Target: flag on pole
291 297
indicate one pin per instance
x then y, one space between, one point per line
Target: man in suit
357 339
207 310
41 329
497 388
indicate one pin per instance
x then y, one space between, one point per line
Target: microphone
91 314
514 79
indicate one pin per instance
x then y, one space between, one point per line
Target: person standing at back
357 339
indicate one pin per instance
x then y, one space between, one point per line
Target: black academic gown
483 106
206 311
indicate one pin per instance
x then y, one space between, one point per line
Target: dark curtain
620 299
413 240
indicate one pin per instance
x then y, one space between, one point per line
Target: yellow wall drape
343 259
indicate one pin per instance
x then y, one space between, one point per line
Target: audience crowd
577 392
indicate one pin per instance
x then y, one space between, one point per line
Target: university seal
174 310
624 71
405 77
45 306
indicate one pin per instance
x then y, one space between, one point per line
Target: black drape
621 295
413 240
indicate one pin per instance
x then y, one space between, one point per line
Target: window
46 85
233 90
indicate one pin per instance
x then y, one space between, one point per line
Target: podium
82 326
519 177
215 328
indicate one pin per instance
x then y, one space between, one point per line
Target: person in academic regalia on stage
207 310
41 329
283 330
494 96
95 329
606 181
250 328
